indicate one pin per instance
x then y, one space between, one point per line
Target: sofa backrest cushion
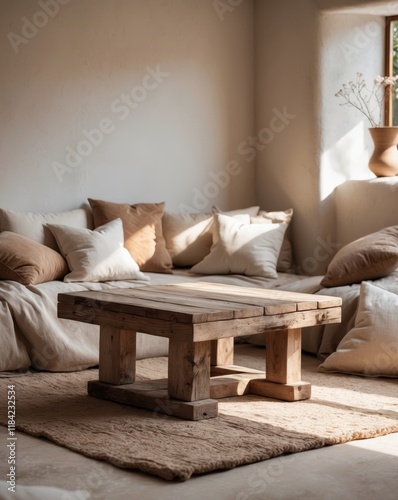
33 225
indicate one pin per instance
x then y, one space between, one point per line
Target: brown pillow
370 257
142 227
28 262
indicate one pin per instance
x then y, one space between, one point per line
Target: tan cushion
285 260
33 225
243 248
370 348
28 262
96 255
370 257
189 236
143 234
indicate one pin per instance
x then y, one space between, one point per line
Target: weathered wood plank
286 392
222 351
322 301
117 355
253 326
232 369
231 385
161 328
146 307
283 356
201 331
215 304
221 296
156 400
189 370
215 300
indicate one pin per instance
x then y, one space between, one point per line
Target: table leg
283 355
222 352
189 378
117 356
283 367
189 370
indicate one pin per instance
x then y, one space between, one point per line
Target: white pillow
189 236
285 262
370 348
97 255
243 248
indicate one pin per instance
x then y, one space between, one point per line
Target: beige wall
287 77
67 78
303 55
241 109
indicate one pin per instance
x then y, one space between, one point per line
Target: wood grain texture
283 356
197 302
189 370
201 321
222 351
117 356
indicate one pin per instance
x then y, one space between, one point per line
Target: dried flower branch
370 102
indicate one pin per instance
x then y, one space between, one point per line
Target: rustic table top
199 302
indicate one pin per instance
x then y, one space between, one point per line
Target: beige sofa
42 255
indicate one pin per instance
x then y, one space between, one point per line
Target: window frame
388 65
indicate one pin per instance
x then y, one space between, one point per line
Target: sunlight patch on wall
346 159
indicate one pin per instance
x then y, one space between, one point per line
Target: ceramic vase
384 160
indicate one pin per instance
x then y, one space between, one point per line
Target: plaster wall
181 90
303 55
350 44
287 77
127 101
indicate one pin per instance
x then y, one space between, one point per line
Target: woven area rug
249 428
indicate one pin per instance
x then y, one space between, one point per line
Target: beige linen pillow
285 262
189 236
28 262
370 257
370 348
143 234
252 211
243 248
97 255
33 225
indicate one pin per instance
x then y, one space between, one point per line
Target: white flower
369 101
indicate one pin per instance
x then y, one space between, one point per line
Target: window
391 65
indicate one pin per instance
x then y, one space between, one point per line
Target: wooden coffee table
201 321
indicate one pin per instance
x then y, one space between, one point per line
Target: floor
365 470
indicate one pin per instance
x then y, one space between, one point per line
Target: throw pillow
96 255
370 348
285 262
33 225
370 257
28 262
252 211
143 234
243 248
188 237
